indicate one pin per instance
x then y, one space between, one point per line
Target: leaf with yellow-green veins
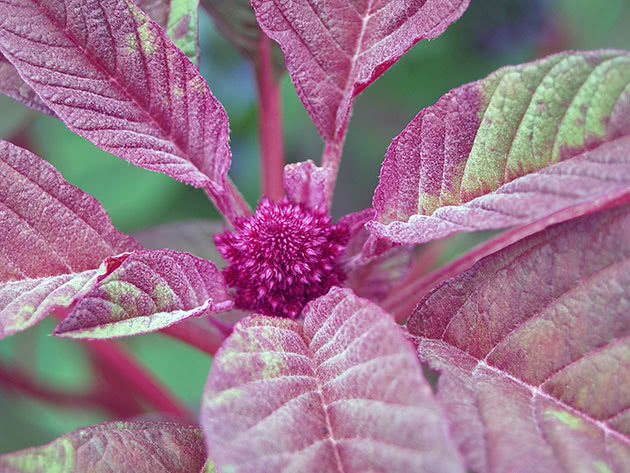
533 347
146 291
53 239
179 19
123 447
342 392
524 143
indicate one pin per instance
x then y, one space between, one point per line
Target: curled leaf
144 292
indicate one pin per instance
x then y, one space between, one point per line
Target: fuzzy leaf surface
179 19
123 447
12 85
53 236
148 291
517 146
533 346
115 78
342 392
335 49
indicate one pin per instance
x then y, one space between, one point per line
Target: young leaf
148 291
341 393
335 49
123 447
305 182
12 85
192 236
517 146
53 236
179 19
115 78
533 343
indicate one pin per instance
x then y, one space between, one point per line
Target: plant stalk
270 123
207 340
330 160
17 380
137 378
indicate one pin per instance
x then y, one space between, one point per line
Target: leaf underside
123 447
524 143
533 346
341 393
235 19
335 49
147 291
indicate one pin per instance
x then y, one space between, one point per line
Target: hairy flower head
282 257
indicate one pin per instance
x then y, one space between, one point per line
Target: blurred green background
491 34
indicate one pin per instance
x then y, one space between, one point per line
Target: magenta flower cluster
282 257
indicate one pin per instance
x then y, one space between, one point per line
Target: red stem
270 123
205 339
229 201
137 378
15 379
330 160
125 369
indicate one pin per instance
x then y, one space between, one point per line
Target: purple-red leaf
517 146
335 49
53 236
12 85
533 344
341 393
147 291
191 236
121 447
115 78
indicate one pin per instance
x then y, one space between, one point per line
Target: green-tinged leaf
533 347
147 291
53 239
120 447
524 143
342 392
